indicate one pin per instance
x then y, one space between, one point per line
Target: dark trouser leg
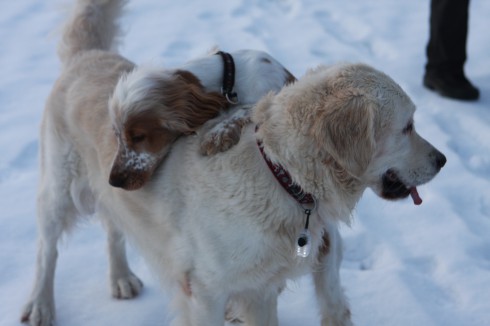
446 50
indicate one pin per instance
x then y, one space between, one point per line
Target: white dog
233 227
85 146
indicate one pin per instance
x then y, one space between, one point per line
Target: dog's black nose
117 182
440 160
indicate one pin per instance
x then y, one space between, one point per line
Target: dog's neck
209 70
338 187
285 180
349 187
228 77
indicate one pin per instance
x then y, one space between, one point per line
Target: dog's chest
257 256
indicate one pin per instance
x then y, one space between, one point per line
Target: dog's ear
345 129
172 105
186 105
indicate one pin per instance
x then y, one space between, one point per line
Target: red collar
285 180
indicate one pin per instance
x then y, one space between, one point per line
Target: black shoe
455 86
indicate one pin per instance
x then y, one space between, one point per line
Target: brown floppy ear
186 104
345 129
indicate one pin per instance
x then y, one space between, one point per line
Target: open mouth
394 188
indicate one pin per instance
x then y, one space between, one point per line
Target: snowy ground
404 265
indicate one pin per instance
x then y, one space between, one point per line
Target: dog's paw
342 318
126 287
38 313
225 134
221 139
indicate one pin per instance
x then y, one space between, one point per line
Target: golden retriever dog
234 227
108 122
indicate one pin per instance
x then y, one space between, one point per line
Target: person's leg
446 50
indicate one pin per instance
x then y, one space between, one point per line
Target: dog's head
402 159
353 124
149 110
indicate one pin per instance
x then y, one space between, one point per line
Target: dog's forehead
394 98
404 107
400 115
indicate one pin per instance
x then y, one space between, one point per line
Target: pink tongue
415 196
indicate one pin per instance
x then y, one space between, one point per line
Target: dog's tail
92 25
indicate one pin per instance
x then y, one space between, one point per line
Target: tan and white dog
87 144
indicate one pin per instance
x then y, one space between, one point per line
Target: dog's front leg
55 213
207 308
224 132
334 308
198 305
124 283
40 309
254 308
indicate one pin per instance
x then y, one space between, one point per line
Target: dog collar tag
303 244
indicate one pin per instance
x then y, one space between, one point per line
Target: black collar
285 180
228 77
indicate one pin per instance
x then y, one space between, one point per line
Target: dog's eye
138 138
409 128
